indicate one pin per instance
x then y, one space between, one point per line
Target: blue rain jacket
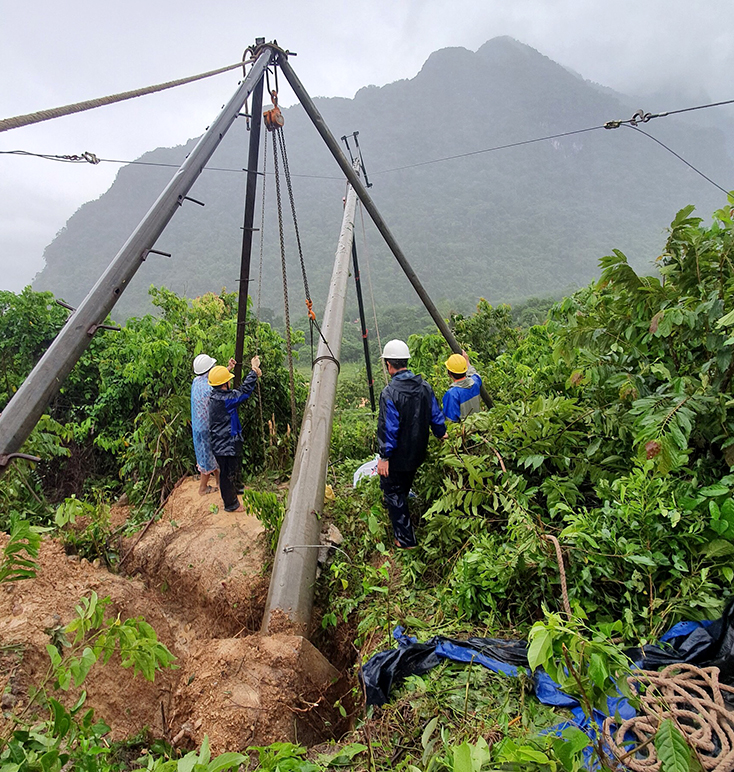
224 422
408 408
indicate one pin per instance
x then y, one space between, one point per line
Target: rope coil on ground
692 698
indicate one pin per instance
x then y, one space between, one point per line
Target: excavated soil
199 577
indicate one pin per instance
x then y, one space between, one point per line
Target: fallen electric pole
290 599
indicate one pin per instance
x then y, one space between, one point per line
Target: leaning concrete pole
32 398
290 599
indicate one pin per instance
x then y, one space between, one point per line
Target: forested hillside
529 220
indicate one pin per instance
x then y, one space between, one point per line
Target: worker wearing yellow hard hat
462 397
225 427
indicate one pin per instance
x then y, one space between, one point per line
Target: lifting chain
312 322
286 309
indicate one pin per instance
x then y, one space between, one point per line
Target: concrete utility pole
290 598
32 398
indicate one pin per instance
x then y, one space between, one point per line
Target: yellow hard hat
219 375
454 364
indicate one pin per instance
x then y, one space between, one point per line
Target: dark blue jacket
408 407
224 422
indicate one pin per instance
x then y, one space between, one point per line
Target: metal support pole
251 191
369 205
363 325
290 598
31 399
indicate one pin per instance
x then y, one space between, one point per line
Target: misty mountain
528 220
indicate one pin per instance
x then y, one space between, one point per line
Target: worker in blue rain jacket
408 409
462 397
225 428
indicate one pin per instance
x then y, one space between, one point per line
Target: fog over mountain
523 221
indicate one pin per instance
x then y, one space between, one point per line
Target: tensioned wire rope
90 104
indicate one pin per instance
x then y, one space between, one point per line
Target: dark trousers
395 489
228 466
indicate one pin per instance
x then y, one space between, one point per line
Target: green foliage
21 485
610 427
583 662
97 638
29 321
672 748
91 538
20 553
123 414
194 761
284 757
67 737
268 510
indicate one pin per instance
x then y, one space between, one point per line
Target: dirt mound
210 562
254 691
199 577
30 612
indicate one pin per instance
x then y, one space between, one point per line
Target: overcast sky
54 53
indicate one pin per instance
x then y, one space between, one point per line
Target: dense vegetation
611 429
122 418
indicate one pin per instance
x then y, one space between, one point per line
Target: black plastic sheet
705 644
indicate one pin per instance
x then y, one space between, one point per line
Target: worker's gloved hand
255 364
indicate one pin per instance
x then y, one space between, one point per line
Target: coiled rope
78 107
692 698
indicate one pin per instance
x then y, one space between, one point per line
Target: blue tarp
705 644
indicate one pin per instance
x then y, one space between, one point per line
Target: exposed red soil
199 577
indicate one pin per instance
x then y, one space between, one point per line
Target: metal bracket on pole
6 458
147 252
96 327
65 305
181 199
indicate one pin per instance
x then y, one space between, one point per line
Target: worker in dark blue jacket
462 397
225 427
408 409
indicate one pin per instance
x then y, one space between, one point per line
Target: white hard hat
203 363
396 349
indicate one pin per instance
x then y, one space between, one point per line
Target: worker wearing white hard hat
408 410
